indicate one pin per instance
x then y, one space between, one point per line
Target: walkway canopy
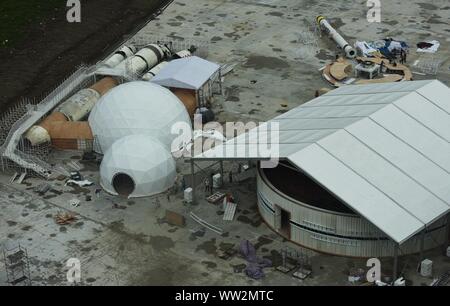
382 149
188 73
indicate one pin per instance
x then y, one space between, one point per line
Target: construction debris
390 68
226 253
443 280
65 218
84 183
205 224
428 47
216 197
174 218
74 202
42 188
337 72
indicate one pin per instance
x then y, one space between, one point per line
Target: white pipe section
145 59
79 105
154 71
343 44
37 135
120 55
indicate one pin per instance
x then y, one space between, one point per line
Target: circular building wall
304 212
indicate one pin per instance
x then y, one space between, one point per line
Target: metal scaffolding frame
17 266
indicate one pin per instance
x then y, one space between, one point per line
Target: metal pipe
342 43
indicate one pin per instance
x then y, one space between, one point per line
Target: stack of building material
426 268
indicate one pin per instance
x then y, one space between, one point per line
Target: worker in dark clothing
206 182
230 176
382 67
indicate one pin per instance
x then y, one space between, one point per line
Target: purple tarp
255 264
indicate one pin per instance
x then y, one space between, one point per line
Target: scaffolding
429 64
17 266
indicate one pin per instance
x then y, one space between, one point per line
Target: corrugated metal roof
382 149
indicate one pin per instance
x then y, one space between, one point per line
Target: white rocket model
342 43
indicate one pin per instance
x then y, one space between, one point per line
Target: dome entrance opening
123 184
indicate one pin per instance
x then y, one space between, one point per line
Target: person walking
206 182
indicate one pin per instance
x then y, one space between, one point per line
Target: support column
422 243
395 268
447 234
194 200
220 82
221 173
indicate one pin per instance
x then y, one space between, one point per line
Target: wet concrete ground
128 242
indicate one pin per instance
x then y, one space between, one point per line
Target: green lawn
17 15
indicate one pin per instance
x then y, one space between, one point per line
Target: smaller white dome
137 166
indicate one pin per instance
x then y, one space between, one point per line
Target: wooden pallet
216 197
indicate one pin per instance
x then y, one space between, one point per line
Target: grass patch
17 15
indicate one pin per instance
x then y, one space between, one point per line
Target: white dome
136 108
137 166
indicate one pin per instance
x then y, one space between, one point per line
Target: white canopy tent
188 73
382 149
191 73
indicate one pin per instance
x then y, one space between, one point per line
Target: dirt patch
161 243
267 62
51 48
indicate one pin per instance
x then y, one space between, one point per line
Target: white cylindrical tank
343 44
154 71
145 59
79 105
119 56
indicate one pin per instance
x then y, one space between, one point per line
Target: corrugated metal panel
357 193
437 93
414 135
426 113
380 88
406 158
385 177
